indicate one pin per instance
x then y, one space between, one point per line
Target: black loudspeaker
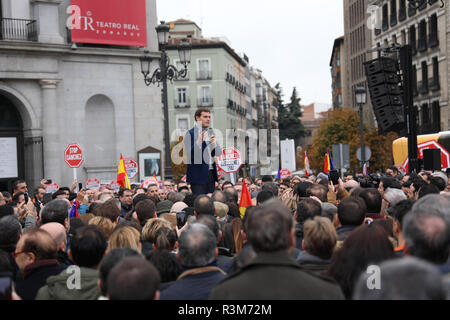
432 159
385 93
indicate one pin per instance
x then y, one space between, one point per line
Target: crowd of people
381 236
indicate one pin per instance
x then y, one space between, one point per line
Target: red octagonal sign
73 155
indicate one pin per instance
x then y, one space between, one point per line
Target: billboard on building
114 22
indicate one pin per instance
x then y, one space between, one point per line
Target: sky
289 40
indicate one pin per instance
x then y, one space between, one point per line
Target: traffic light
386 93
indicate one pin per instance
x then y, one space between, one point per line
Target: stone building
54 92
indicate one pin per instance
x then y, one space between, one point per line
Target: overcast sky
289 40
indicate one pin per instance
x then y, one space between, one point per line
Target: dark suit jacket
198 168
275 276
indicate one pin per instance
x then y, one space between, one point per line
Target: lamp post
165 72
361 98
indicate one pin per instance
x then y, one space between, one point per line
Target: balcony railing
433 83
423 86
182 104
18 29
204 75
205 102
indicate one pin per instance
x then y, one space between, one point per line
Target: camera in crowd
370 181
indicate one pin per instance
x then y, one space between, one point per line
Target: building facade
339 77
222 81
426 30
357 41
54 93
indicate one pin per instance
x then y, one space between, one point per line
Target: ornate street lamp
165 72
361 99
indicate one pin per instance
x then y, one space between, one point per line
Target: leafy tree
342 126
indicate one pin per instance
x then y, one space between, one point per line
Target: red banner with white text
115 22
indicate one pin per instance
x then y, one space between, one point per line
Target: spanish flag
246 200
328 165
122 177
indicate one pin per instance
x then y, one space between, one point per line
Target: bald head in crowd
58 233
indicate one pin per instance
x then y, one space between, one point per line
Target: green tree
288 117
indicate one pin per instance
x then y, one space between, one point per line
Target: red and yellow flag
246 200
328 164
122 177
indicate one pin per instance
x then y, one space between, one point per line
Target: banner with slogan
115 22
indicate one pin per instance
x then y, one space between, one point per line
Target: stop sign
230 160
73 155
284 173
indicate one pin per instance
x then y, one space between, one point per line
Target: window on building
204 69
414 80
182 98
422 43
385 18
205 98
424 83
412 39
411 11
433 38
393 16
436 113
402 10
183 124
425 115
434 86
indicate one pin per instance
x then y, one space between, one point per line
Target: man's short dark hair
399 211
408 278
438 182
308 209
41 243
204 205
267 178
16 183
372 198
58 193
390 182
122 190
301 187
138 198
426 229
166 263
10 231
199 111
269 227
88 246
263 196
145 210
319 191
428 189
272 187
351 211
110 261
133 279
55 211
6 211
189 199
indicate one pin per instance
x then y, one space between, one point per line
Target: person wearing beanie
163 207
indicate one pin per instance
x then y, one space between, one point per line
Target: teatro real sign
115 22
